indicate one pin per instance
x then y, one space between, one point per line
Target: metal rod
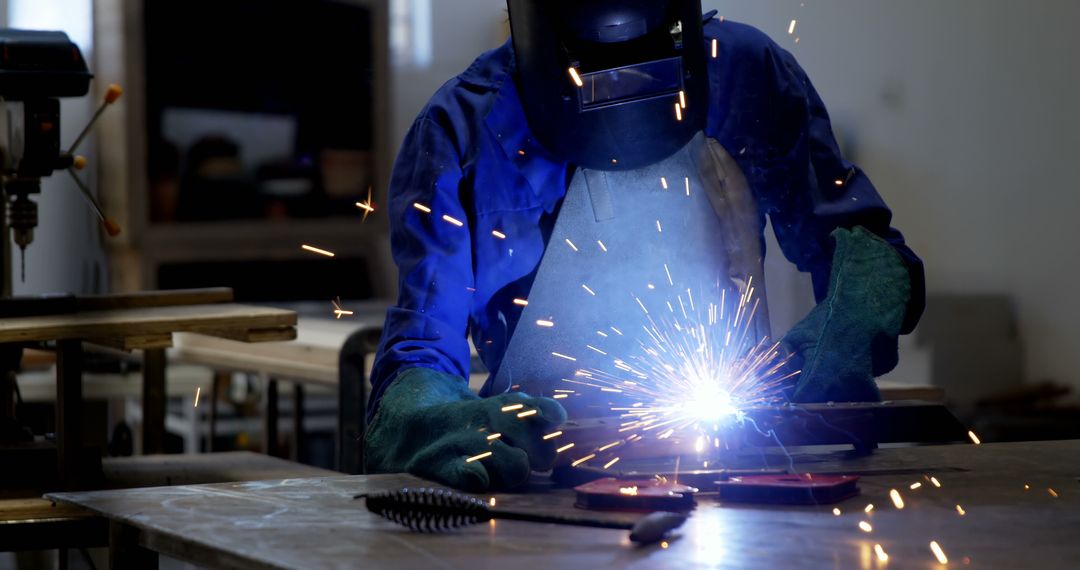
86 194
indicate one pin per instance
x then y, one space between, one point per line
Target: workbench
142 321
1021 509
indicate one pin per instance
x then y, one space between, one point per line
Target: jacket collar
506 120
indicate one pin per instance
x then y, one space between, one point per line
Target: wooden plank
146 299
129 343
273 334
144 321
39 509
312 358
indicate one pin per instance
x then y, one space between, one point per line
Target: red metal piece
639 495
800 489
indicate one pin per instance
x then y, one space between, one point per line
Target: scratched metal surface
314 523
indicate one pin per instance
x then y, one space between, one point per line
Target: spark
1052 492
865 526
686 180
616 331
664 544
582 460
511 407
663 182
494 436
564 448
367 206
198 390
521 302
715 49
960 510
839 182
544 323
1027 487
682 99
452 220
563 356
896 498
492 503
602 246
571 244
974 438
938 552
610 463
560 396
836 511
483 455
915 486
577 78
678 112
869 508
659 228
421 207
594 349
521 153
791 28
881 555
552 435
338 311
498 234
317 250
632 491
935 482
609 446
527 413
586 288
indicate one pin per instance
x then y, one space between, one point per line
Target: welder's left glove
851 335
429 424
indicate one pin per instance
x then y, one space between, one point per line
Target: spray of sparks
697 367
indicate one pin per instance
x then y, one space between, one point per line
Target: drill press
36 69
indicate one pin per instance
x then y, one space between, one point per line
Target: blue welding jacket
473 197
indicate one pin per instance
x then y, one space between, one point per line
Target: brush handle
554 519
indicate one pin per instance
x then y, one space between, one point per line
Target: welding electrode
434 510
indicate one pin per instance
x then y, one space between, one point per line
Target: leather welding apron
627 250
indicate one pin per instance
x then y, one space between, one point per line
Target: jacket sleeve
431 244
813 190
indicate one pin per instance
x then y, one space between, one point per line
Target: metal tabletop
1021 505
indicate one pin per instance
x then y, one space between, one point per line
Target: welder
589 107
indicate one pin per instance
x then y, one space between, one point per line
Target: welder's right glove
850 337
428 423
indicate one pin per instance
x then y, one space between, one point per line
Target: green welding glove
429 423
851 335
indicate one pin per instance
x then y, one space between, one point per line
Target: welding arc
435 510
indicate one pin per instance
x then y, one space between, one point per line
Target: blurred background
249 127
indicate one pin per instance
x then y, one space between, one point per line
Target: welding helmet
611 84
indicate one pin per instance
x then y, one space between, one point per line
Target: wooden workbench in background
142 321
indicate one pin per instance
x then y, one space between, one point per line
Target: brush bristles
428 510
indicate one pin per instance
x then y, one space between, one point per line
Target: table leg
69 361
298 422
270 429
220 382
125 550
154 401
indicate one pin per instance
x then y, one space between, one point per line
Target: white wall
66 255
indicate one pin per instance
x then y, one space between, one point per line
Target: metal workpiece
1020 506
